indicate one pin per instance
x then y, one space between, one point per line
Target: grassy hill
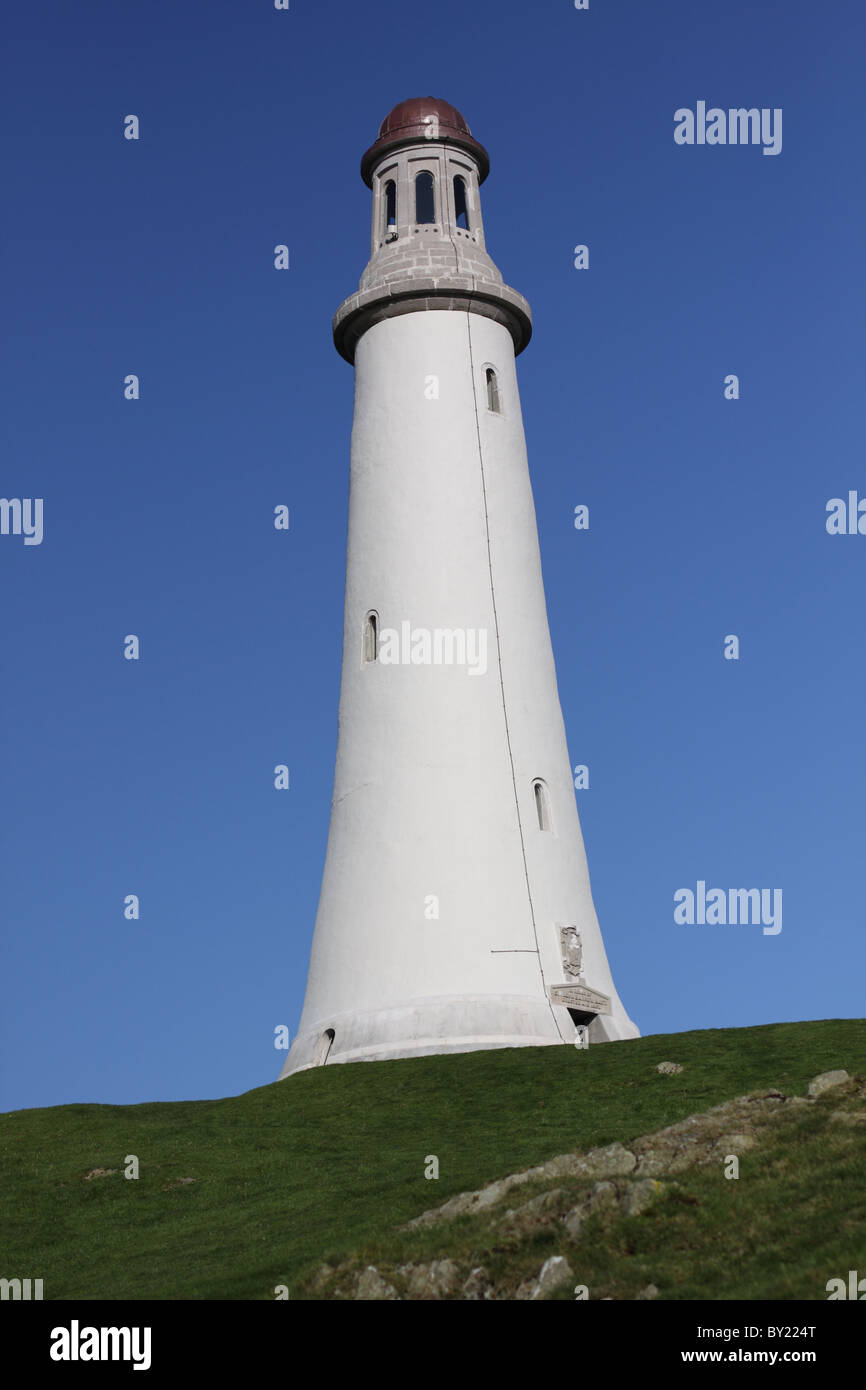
327 1165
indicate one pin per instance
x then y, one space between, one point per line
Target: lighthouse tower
456 912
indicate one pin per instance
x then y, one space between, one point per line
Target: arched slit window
425 203
461 207
371 637
323 1047
542 805
390 204
492 391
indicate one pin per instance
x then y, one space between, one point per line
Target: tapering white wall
433 791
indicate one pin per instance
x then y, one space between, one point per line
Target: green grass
330 1162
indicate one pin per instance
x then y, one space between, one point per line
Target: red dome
410 122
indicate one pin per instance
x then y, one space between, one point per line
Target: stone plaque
589 1001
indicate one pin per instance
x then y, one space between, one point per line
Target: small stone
602 1198
573 1220
537 1212
640 1195
611 1162
669 1068
553 1274
849 1117
372 1286
827 1081
99 1173
433 1281
649 1292
477 1286
650 1165
321 1277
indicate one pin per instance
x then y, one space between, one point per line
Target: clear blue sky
707 516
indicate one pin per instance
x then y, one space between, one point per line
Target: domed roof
411 121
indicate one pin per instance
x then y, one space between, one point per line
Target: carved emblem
572 952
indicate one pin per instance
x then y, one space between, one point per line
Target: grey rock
649 1292
321 1277
563 1166
468 1203
827 1081
699 1139
734 1143
611 1162
477 1286
533 1214
849 1117
573 1220
650 1165
669 1068
439 1279
371 1286
640 1195
602 1198
684 1156
553 1274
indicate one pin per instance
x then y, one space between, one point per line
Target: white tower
456 912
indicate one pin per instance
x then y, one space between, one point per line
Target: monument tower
456 912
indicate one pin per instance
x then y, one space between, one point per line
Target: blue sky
707 516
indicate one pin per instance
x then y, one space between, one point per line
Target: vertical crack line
501 680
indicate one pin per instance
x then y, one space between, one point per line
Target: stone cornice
412 295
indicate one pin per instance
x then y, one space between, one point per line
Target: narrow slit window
371 637
542 806
425 203
390 204
492 391
461 207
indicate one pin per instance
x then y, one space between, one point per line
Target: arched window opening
371 637
492 391
425 203
461 206
542 806
323 1048
390 204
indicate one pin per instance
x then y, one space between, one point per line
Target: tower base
428 1027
